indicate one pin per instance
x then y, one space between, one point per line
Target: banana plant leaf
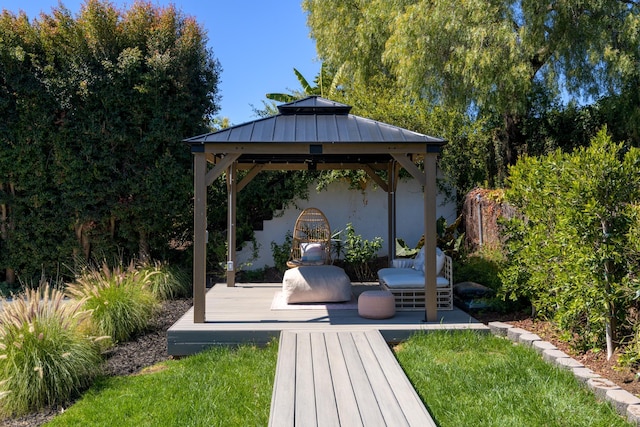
404 251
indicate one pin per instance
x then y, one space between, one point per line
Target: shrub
167 282
483 266
282 252
44 358
360 253
574 255
121 301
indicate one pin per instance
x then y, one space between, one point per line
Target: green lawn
466 379
218 387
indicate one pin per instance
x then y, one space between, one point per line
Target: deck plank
368 405
346 402
326 408
305 396
284 387
389 407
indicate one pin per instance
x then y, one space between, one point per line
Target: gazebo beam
413 170
307 148
221 167
372 174
253 172
304 166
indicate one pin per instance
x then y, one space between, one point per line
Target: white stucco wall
367 211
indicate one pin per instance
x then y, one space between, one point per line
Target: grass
466 378
120 300
167 282
44 359
218 387
471 379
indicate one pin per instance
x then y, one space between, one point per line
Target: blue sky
258 43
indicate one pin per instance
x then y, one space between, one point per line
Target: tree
575 253
324 87
483 59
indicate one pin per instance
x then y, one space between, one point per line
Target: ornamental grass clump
167 282
120 300
44 357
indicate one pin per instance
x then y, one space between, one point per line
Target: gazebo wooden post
391 205
430 238
199 236
231 224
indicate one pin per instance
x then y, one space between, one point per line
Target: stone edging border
625 403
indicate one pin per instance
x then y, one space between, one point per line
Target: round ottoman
376 305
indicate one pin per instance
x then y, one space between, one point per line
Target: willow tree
487 59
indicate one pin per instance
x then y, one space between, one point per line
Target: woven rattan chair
311 242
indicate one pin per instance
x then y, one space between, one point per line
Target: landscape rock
621 399
584 374
633 414
528 339
499 328
542 346
600 387
514 334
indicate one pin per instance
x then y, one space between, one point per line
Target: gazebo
313 133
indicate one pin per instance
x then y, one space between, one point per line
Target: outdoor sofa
407 283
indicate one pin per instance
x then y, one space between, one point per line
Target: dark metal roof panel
315 128
285 129
327 128
312 128
264 130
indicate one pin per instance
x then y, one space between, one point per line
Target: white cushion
407 278
440 258
418 262
312 252
316 283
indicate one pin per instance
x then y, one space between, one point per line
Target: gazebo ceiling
315 130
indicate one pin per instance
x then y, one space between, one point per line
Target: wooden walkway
342 379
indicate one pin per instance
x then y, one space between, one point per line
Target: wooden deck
342 379
243 314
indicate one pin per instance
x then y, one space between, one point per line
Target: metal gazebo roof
331 134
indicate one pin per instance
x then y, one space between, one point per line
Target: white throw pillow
312 252
440 258
418 262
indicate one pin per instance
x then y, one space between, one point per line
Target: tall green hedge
94 108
